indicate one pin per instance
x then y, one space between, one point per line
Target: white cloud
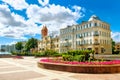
14 25
116 36
17 4
77 8
8 18
54 16
11 43
43 2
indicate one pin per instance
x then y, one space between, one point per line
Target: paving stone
10 69
95 77
20 75
4 63
55 79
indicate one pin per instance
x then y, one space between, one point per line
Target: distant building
117 46
93 34
48 42
2 48
8 48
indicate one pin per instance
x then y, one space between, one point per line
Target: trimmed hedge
77 55
22 53
47 53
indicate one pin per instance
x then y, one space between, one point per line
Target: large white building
93 34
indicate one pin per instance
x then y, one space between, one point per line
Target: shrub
77 55
39 54
13 53
24 53
57 55
72 53
67 57
87 55
79 58
116 52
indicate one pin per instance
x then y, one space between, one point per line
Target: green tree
19 46
31 44
113 46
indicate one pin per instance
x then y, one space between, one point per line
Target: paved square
24 75
26 69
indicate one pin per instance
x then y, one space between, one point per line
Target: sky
22 19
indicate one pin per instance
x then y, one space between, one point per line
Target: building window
89 24
86 42
83 34
95 24
100 24
90 33
107 41
96 32
76 35
89 48
118 48
92 24
82 27
57 45
102 50
78 42
104 26
100 41
61 32
90 41
87 34
57 40
100 33
86 25
82 42
79 27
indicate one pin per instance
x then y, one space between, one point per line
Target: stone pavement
26 69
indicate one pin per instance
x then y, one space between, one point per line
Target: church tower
44 31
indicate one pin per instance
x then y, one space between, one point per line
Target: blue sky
23 19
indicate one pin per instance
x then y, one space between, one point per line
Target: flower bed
81 63
81 67
18 57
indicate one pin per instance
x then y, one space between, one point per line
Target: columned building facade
93 34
